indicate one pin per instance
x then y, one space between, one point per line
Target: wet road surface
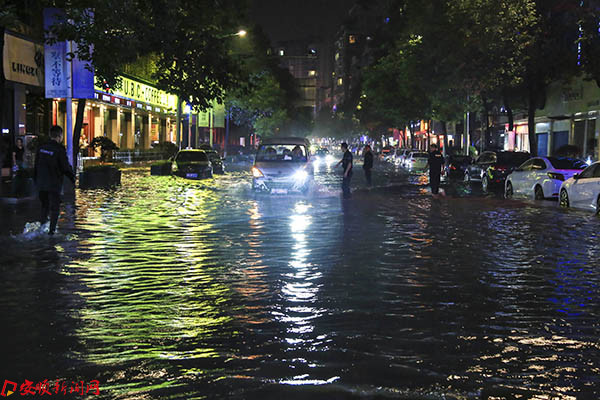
175 289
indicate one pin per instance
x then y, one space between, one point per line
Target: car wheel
485 183
563 199
538 193
508 193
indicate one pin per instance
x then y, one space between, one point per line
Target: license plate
279 191
191 175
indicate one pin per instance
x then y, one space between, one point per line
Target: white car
416 160
541 177
283 165
582 190
401 155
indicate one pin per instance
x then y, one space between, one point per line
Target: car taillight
557 176
452 167
413 160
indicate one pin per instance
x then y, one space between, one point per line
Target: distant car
323 156
582 190
492 167
416 160
401 155
387 152
192 164
283 165
216 161
542 177
455 166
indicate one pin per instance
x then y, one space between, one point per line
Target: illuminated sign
23 61
138 91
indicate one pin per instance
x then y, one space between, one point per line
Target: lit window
313 50
281 52
340 81
312 72
337 56
351 39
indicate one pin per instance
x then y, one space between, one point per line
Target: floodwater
175 289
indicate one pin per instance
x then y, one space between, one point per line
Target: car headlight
256 173
300 175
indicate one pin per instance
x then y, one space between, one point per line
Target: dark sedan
192 164
456 165
492 167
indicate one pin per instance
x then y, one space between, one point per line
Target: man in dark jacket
51 165
346 163
435 162
368 163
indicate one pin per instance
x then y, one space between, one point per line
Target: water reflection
175 289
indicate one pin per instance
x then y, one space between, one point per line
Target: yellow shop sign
142 92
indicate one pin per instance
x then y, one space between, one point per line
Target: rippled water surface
175 289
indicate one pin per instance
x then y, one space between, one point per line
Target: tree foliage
188 39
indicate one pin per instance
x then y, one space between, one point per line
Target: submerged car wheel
485 183
538 193
563 199
508 193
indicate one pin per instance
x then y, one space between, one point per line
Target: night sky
295 19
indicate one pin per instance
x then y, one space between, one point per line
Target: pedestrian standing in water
17 155
367 163
51 165
435 163
346 163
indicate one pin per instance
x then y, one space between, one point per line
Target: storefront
24 109
569 117
135 116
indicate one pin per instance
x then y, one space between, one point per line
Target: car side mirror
576 176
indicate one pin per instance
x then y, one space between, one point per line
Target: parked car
582 190
401 155
492 167
416 160
283 165
216 161
387 153
456 165
541 177
192 164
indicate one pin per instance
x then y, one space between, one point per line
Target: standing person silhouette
435 162
368 163
346 163
51 165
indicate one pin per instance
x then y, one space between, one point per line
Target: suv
492 167
283 165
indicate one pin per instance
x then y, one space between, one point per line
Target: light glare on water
168 288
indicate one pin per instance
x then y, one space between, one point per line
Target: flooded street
174 289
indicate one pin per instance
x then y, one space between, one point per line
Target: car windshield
567 163
322 152
192 156
511 158
281 152
420 155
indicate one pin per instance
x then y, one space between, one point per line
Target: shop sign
23 61
145 93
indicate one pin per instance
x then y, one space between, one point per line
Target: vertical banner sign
54 60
